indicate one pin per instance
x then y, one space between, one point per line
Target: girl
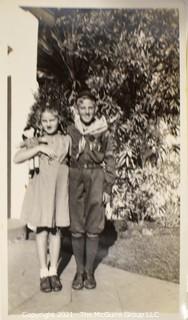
45 205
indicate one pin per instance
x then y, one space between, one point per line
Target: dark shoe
55 283
45 285
89 282
78 281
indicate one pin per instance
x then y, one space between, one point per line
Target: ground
152 251
149 250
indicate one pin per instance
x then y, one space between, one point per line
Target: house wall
22 64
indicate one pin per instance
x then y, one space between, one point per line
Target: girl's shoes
55 283
45 285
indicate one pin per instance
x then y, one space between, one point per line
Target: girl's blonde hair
52 96
40 106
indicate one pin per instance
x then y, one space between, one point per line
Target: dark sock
91 252
78 246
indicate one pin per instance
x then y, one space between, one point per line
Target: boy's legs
78 246
77 218
94 223
87 216
92 241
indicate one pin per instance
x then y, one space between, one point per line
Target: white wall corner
22 67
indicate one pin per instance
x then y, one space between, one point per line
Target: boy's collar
97 126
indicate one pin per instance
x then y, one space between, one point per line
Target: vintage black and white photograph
93 158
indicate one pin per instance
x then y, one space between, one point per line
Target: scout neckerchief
96 127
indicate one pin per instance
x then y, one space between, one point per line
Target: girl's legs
54 246
41 241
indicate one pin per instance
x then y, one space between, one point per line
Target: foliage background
130 61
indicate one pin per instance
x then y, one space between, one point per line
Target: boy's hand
106 198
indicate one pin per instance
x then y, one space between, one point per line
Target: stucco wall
22 63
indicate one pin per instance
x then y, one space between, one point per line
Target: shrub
129 58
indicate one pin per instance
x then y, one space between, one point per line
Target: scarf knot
96 127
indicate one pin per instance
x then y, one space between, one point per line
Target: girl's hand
28 143
42 140
47 151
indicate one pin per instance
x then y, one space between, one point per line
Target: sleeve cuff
108 188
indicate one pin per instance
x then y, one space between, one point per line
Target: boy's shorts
86 200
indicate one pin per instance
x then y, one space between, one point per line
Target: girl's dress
46 199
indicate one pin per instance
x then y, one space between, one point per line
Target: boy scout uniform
91 173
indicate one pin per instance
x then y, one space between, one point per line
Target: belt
85 165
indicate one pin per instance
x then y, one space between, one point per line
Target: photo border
182 6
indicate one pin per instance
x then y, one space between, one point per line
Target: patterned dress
46 201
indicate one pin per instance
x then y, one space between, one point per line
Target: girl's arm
26 154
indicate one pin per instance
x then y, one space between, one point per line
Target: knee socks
78 246
91 251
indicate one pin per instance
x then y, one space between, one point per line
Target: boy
91 176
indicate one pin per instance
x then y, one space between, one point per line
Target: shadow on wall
107 239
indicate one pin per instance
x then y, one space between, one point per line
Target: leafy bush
130 61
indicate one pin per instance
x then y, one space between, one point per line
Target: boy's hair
86 94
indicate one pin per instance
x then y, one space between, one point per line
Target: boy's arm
109 161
